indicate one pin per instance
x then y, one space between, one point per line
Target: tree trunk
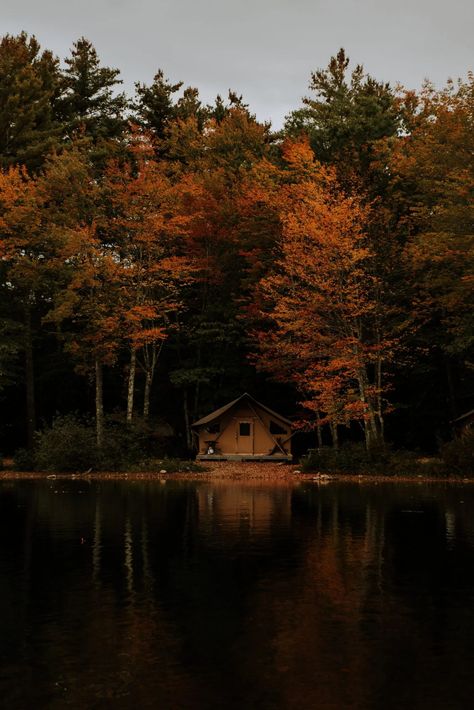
318 431
334 435
378 384
451 391
146 394
196 399
189 437
372 435
99 404
149 367
380 418
131 384
29 381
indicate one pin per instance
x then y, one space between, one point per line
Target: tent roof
222 410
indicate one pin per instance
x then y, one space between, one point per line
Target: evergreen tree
158 110
29 84
88 101
346 117
154 106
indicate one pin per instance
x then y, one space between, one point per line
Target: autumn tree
319 300
354 123
25 272
433 176
89 310
147 224
86 296
210 343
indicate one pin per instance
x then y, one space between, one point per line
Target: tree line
159 256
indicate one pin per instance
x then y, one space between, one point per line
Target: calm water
183 595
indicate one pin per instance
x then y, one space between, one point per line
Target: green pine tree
348 113
154 106
89 102
29 86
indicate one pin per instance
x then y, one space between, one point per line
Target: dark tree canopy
88 95
159 256
29 87
347 113
154 105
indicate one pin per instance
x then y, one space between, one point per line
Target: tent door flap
244 436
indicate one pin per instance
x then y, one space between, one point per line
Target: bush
23 460
127 445
458 454
68 445
382 461
349 458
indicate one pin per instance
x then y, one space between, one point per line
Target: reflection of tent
244 429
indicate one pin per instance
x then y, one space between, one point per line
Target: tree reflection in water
208 595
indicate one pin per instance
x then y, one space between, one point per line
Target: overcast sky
264 49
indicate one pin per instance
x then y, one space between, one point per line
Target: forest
161 256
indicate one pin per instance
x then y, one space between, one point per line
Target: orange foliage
434 163
319 302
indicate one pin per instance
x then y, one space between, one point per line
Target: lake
218 595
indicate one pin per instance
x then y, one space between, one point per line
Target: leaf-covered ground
240 471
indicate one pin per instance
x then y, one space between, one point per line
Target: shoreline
241 472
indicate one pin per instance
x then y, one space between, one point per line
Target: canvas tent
244 429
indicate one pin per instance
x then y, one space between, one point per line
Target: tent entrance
245 436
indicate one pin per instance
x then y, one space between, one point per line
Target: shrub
126 445
23 460
349 458
68 445
458 454
381 460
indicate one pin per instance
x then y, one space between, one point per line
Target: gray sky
264 49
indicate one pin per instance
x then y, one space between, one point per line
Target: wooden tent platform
244 457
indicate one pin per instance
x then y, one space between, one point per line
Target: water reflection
236 595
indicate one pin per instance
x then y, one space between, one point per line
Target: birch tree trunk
150 360
99 404
378 384
146 394
131 384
